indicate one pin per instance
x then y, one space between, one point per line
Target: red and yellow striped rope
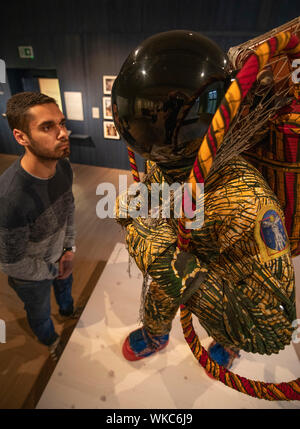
289 391
133 166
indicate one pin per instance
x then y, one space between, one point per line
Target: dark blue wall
86 39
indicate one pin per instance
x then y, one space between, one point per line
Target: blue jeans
36 298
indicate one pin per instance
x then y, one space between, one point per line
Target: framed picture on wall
107 109
108 83
110 131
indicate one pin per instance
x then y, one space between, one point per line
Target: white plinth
92 372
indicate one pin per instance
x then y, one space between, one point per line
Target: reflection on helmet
166 94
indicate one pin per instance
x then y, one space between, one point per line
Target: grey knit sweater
36 221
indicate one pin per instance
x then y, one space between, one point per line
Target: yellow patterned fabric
278 160
244 297
146 242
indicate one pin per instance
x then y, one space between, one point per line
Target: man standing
37 237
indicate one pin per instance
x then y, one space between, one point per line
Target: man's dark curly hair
18 105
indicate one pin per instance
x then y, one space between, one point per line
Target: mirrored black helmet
166 94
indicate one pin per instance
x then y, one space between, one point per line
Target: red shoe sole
130 355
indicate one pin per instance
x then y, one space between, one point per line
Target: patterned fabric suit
238 272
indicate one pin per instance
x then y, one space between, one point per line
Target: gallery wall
86 39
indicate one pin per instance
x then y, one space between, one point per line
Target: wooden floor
24 363
25 367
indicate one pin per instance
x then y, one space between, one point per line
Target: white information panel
74 107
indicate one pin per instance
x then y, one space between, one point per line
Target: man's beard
44 154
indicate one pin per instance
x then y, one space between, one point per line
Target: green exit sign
26 52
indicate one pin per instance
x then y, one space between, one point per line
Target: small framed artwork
107 110
108 82
110 131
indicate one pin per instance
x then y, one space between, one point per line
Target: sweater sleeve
70 230
14 242
69 240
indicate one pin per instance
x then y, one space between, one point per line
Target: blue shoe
140 344
223 356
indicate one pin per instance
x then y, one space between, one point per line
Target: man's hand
65 265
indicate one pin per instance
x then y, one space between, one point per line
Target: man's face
48 137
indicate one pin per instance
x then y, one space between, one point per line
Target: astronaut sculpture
174 101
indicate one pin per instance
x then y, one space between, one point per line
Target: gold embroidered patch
270 233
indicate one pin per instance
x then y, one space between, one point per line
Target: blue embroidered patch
272 231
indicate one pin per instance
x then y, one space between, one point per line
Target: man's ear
21 137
